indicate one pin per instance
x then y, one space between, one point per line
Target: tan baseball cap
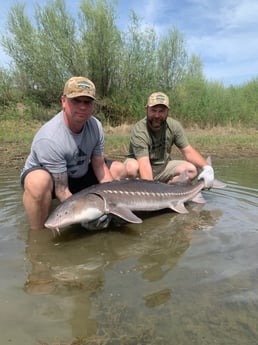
79 86
158 98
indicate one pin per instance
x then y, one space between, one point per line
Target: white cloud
239 14
222 32
230 49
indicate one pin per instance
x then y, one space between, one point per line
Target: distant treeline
126 67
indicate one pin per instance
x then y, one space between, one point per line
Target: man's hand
207 175
100 223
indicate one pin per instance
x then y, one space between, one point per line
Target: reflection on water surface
173 279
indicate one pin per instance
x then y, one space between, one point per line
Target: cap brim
153 105
79 94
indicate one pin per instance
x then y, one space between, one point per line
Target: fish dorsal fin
125 214
209 160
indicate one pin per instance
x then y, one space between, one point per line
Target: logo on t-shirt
79 158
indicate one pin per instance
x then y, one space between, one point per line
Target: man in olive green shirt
152 138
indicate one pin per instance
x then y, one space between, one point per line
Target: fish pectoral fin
179 208
126 214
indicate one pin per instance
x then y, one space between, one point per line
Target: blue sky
223 33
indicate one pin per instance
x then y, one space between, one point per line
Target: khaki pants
169 172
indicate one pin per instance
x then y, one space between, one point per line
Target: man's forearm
61 186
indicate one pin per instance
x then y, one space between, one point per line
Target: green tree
19 43
138 61
172 59
8 91
125 66
59 39
101 43
46 54
137 69
195 68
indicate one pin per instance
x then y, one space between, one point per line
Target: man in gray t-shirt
152 138
67 154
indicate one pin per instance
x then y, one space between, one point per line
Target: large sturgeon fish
121 198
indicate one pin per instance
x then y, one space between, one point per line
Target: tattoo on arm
61 184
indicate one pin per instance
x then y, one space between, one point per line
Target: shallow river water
174 279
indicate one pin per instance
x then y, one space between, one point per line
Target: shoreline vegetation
218 142
126 66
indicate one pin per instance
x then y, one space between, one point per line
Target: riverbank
219 142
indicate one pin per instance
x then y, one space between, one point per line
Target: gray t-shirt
56 148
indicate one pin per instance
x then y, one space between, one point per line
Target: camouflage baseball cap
79 86
158 98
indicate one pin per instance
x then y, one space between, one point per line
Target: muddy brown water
174 279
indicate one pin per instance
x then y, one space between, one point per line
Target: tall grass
221 142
